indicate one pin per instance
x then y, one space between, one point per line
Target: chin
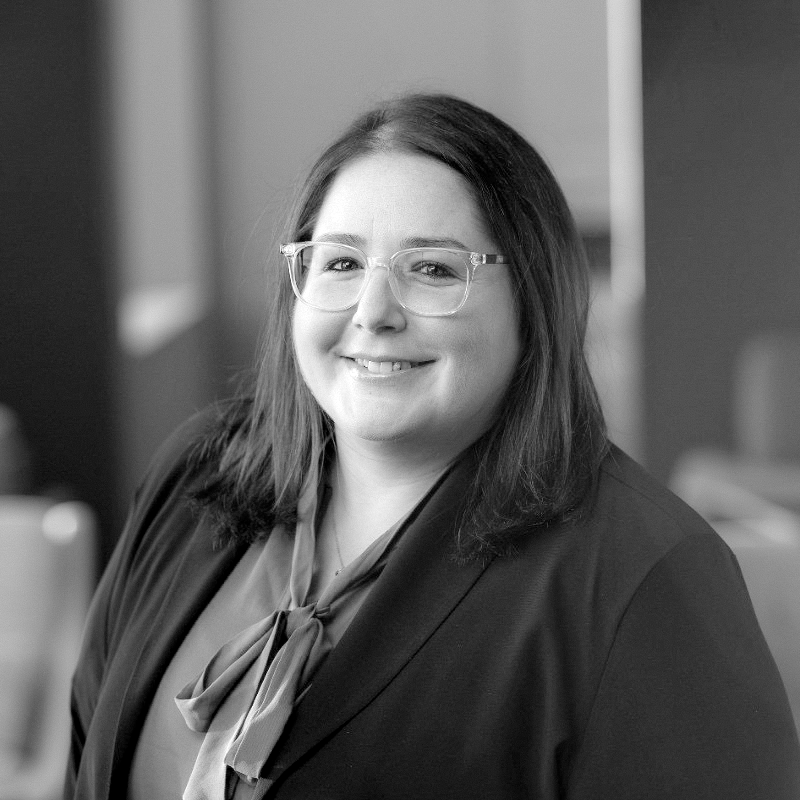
373 433
381 428
375 424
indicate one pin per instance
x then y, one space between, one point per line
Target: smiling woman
409 563
459 365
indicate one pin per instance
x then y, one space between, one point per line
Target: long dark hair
538 462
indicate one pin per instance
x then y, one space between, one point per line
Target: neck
374 485
370 471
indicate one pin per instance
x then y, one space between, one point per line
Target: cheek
300 343
498 354
313 334
305 342
484 365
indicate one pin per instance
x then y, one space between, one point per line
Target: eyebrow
413 241
342 238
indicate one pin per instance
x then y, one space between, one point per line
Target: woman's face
454 369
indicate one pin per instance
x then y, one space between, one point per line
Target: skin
396 432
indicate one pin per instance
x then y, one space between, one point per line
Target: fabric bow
264 670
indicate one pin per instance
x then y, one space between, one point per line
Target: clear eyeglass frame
472 260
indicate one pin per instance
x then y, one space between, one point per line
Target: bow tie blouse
224 700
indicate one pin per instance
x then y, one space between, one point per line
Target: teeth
384 367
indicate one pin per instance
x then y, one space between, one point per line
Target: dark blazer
614 658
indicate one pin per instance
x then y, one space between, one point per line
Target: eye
434 270
343 264
334 260
434 267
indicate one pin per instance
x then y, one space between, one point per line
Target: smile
385 367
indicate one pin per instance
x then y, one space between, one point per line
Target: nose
378 308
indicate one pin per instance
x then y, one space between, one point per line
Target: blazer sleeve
90 669
106 620
690 703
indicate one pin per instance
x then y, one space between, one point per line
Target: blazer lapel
419 587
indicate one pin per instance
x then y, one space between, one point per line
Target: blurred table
755 507
768 551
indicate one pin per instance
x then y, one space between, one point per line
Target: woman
412 565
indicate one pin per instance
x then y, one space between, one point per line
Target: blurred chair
767 399
46 580
752 495
15 460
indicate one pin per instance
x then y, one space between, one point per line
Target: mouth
387 367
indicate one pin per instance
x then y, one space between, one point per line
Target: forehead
402 194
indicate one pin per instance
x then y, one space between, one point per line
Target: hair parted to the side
540 459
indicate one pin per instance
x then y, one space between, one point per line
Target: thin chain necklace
336 542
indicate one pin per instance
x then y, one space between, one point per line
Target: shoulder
626 485
623 530
637 529
634 511
642 555
162 520
592 566
633 530
648 536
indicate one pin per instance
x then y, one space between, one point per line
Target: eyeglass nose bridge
372 263
379 261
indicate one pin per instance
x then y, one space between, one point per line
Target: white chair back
46 580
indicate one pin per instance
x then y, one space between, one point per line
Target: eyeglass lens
425 280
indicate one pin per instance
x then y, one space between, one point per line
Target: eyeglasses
428 281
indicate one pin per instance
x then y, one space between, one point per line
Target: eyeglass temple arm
487 258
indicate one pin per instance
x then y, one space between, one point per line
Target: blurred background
148 151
